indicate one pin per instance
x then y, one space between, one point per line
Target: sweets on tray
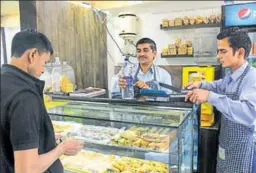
93 162
98 133
146 137
132 165
64 126
87 161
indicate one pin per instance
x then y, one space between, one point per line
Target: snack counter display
127 135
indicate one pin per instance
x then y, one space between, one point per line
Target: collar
236 74
151 69
31 80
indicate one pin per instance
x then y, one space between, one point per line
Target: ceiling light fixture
86 5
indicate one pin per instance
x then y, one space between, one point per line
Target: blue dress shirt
241 111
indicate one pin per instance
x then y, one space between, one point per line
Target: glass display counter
127 135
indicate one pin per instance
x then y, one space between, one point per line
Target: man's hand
57 136
197 96
193 85
121 82
141 84
71 147
142 98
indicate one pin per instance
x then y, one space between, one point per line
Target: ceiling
106 5
12 7
9 8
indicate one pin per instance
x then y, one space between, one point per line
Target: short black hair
147 41
28 39
237 38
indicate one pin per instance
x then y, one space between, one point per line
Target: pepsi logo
244 13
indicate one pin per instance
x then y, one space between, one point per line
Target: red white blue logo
244 13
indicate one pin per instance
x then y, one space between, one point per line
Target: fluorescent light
106 12
86 5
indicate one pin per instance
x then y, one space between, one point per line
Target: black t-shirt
24 122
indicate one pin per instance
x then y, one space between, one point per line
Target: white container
68 78
128 24
46 77
56 76
68 71
205 42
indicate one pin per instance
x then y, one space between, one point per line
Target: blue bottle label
129 80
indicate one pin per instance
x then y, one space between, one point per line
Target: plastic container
68 71
68 80
205 42
56 76
46 77
128 92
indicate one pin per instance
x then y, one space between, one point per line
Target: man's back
24 120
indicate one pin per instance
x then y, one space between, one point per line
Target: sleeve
215 86
242 111
25 121
167 79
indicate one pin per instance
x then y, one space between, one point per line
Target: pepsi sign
240 14
244 13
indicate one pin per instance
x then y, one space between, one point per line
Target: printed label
221 153
129 80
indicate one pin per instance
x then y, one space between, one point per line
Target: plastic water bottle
127 92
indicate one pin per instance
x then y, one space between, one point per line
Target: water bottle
127 92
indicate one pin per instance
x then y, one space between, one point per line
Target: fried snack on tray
146 137
133 165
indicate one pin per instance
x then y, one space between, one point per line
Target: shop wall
77 37
9 34
11 24
10 21
150 18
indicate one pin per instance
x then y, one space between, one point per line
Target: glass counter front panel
164 116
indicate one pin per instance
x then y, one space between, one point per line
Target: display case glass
127 136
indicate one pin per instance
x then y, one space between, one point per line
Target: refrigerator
242 15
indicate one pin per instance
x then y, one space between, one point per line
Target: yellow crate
207 120
206 108
208 73
193 74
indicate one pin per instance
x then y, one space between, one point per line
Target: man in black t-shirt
27 140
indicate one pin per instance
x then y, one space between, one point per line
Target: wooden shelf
177 56
213 25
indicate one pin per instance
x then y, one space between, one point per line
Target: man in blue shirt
235 97
145 73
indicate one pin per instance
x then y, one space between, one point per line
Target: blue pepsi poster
240 14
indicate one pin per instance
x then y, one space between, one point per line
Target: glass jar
56 76
205 42
68 78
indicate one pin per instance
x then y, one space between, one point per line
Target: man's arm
30 162
166 78
214 86
25 121
242 111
